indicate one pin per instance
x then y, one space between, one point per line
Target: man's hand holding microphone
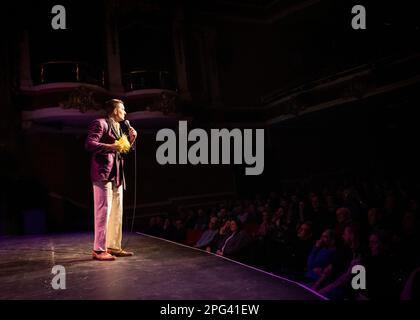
132 135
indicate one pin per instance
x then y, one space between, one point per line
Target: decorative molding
165 102
82 99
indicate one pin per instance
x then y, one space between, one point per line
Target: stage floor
159 270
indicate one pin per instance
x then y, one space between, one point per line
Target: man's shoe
120 253
102 256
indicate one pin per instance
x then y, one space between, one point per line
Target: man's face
119 112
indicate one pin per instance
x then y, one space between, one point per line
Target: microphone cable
133 217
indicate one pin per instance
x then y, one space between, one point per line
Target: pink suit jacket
105 165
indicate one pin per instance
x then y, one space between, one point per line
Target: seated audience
234 246
208 235
321 255
220 237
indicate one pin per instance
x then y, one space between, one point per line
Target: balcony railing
68 71
142 79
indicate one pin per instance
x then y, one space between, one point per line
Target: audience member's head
251 208
413 205
152 221
190 213
179 224
235 225
409 224
315 203
351 236
331 204
343 215
379 243
214 223
294 198
279 213
302 205
223 213
266 217
225 227
327 239
213 213
305 231
374 217
159 220
390 202
167 223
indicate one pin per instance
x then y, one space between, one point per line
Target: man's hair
110 105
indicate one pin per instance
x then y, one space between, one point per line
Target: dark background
259 52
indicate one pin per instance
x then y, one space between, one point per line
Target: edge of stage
159 270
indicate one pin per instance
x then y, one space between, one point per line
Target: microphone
127 123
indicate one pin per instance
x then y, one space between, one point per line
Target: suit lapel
117 135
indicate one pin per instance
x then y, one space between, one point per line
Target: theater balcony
137 81
67 95
65 78
62 93
55 73
151 97
385 82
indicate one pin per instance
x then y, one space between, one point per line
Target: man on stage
107 175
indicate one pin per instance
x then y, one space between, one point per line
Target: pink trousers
108 207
